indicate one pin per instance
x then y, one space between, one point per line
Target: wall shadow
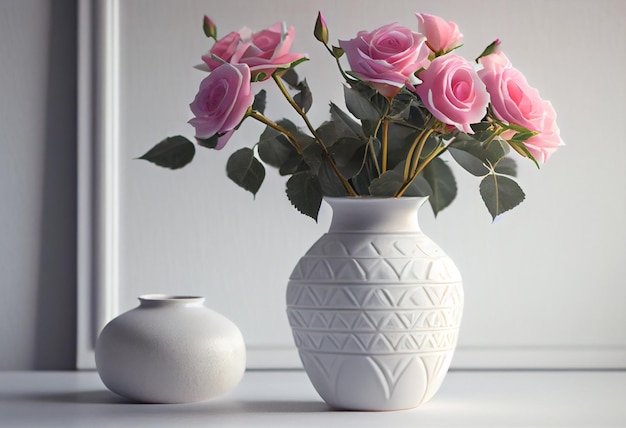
55 311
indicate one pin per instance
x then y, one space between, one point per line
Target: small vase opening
153 300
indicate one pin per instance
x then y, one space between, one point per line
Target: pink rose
266 51
512 99
453 92
224 48
542 145
222 102
387 57
441 36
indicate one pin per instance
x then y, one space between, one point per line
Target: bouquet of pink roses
410 98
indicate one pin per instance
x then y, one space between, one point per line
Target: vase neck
375 215
164 300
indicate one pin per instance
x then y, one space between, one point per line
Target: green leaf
291 77
496 150
359 105
173 152
417 116
349 155
500 194
476 153
471 163
259 76
337 52
506 166
246 170
304 98
442 183
305 193
313 157
387 184
209 143
400 139
401 103
491 48
288 125
290 66
520 137
260 101
361 182
480 126
523 150
274 148
331 131
331 185
345 122
392 180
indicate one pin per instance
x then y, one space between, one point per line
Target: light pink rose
441 36
224 48
452 91
542 145
387 57
266 51
512 99
222 102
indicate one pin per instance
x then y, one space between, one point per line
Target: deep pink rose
441 36
542 145
266 51
453 92
512 99
222 102
224 48
387 57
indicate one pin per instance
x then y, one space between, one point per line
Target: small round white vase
170 349
375 307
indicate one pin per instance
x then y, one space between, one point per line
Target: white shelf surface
287 399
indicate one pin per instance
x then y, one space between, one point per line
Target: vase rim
185 299
374 198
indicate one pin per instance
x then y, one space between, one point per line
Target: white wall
37 183
566 243
532 272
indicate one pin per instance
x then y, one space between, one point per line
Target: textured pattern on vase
375 318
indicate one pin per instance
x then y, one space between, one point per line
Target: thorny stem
325 152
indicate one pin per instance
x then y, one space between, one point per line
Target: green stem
325 152
423 165
493 136
370 147
418 142
383 119
343 73
292 140
385 145
417 156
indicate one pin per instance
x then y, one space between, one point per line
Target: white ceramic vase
375 307
170 349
